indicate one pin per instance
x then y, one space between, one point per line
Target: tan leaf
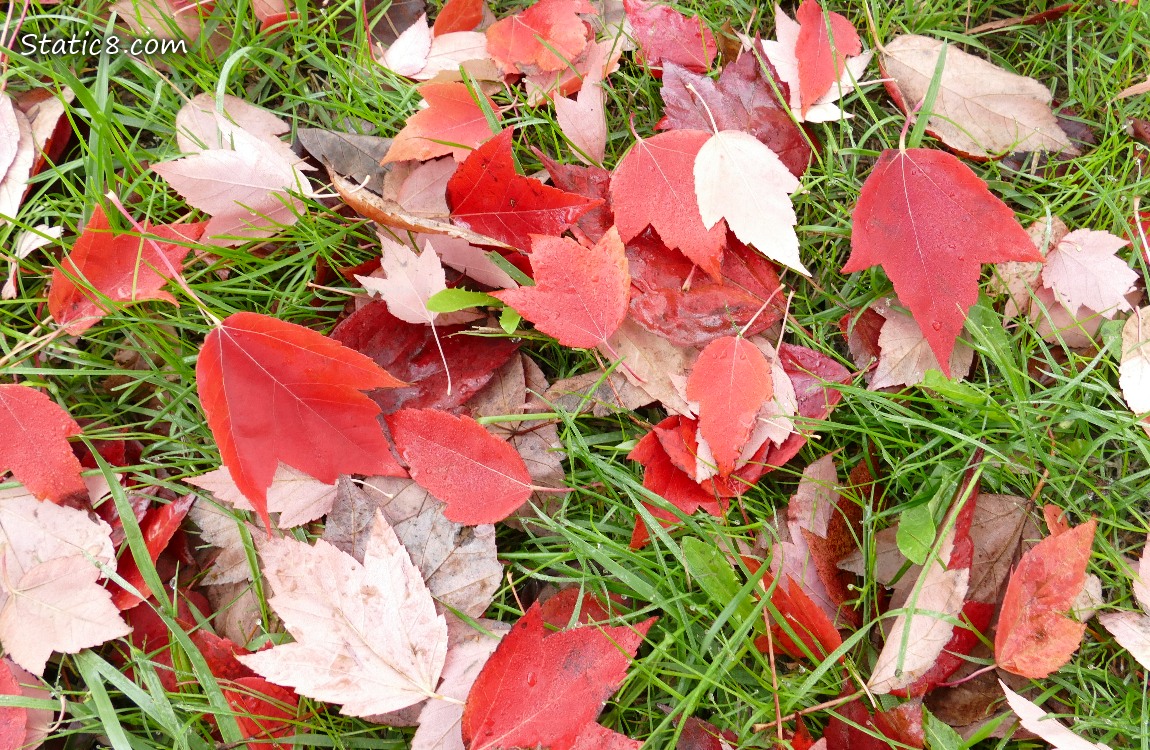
1051 730
410 281
297 497
221 530
1135 90
1018 279
584 120
905 355
981 110
201 125
1134 371
1132 631
50 598
651 362
598 393
367 635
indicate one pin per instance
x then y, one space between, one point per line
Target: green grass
1067 434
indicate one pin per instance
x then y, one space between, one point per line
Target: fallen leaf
731 380
459 15
1035 637
546 36
411 280
481 478
407 55
466 50
277 392
264 711
908 224
164 19
157 528
221 529
590 182
452 123
411 353
35 448
739 179
905 354
981 110
596 392
50 598
487 195
1084 270
667 36
821 57
654 185
458 562
469 260
584 121
23 728
581 293
202 124
742 98
1132 631
357 156
544 688
367 635
14 184
1019 280
651 362
28 242
1051 730
295 496
853 727
1136 89
118 268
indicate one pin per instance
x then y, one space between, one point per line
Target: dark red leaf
264 711
589 182
703 735
159 525
667 36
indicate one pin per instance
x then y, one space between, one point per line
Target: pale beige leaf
15 181
1051 730
221 530
1018 279
1084 270
421 187
773 422
651 362
1132 631
410 281
919 634
467 259
367 635
50 599
781 53
1142 579
981 109
810 508
407 55
905 355
9 132
740 179
28 241
597 393
458 563
202 125
459 48
1134 370
439 722
584 120
825 109
164 19
297 497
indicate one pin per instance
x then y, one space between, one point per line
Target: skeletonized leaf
367 635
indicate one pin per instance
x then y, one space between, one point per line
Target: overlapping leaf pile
418 423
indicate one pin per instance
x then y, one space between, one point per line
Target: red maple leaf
459 15
914 217
549 35
277 392
742 98
654 185
488 196
480 477
667 36
35 447
822 58
580 293
453 123
117 268
590 182
731 381
157 528
1035 635
546 689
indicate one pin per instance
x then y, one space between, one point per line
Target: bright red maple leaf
931 223
278 392
549 35
488 196
264 711
1035 635
35 447
814 631
654 185
118 268
822 58
543 688
158 527
731 381
667 36
459 15
742 98
580 293
481 478
452 123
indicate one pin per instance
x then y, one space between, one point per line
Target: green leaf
916 532
715 576
940 736
454 300
509 320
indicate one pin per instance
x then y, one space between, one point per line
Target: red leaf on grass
1035 636
822 58
35 447
853 727
731 380
13 719
264 711
459 15
667 36
580 293
696 313
487 195
453 123
546 36
815 631
543 688
409 352
159 525
654 185
118 267
743 98
914 217
480 477
590 182
703 735
278 392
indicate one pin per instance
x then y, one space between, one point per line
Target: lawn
1050 418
